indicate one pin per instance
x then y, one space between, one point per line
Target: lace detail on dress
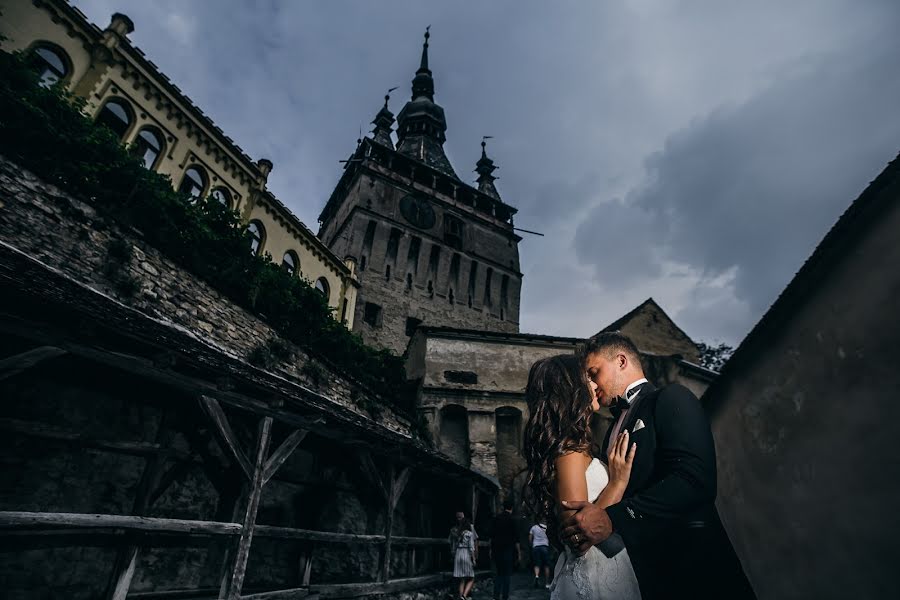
575 569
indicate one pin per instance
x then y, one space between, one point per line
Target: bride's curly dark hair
559 403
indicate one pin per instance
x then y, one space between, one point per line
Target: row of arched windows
54 65
290 262
148 144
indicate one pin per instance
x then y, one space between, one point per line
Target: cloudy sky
692 151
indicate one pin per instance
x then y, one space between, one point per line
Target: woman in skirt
463 548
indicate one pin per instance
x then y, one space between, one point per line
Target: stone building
806 418
429 248
128 93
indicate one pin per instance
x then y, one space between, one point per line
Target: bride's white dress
594 576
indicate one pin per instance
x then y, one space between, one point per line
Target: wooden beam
372 475
239 568
49 432
292 594
14 365
282 453
397 487
225 434
48 520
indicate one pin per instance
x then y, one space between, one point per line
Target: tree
714 357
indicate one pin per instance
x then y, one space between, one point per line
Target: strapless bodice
597 478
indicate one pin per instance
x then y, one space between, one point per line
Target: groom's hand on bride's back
587 527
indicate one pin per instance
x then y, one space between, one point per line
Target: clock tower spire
429 249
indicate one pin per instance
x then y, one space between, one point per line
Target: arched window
257 236
290 263
52 63
148 145
117 115
322 287
223 196
193 183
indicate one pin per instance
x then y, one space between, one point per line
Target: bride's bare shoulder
570 476
573 460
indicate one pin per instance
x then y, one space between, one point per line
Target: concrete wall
807 434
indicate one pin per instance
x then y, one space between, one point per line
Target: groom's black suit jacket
667 518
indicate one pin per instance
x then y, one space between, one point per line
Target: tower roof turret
384 123
421 125
485 168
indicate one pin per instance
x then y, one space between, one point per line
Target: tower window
372 314
453 232
412 256
473 275
393 244
488 301
434 259
454 270
368 240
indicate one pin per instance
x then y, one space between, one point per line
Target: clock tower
428 248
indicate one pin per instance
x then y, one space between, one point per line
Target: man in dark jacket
504 549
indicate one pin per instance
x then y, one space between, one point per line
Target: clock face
417 210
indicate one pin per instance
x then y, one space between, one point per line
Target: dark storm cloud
754 187
692 151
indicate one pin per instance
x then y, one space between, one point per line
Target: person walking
540 552
464 548
504 549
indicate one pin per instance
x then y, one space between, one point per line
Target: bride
558 440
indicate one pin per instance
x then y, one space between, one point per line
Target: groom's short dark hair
610 342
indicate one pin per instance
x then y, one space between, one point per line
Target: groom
667 518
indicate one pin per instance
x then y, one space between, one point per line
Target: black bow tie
618 406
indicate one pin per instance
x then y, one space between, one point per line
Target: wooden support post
225 434
395 490
147 491
307 567
239 568
20 362
282 453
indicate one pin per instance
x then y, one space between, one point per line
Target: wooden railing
20 522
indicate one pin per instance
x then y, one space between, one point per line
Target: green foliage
714 357
45 131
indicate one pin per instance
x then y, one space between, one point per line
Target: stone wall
71 236
420 290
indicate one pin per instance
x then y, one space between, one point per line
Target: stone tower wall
421 290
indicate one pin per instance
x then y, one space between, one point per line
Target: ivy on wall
45 131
